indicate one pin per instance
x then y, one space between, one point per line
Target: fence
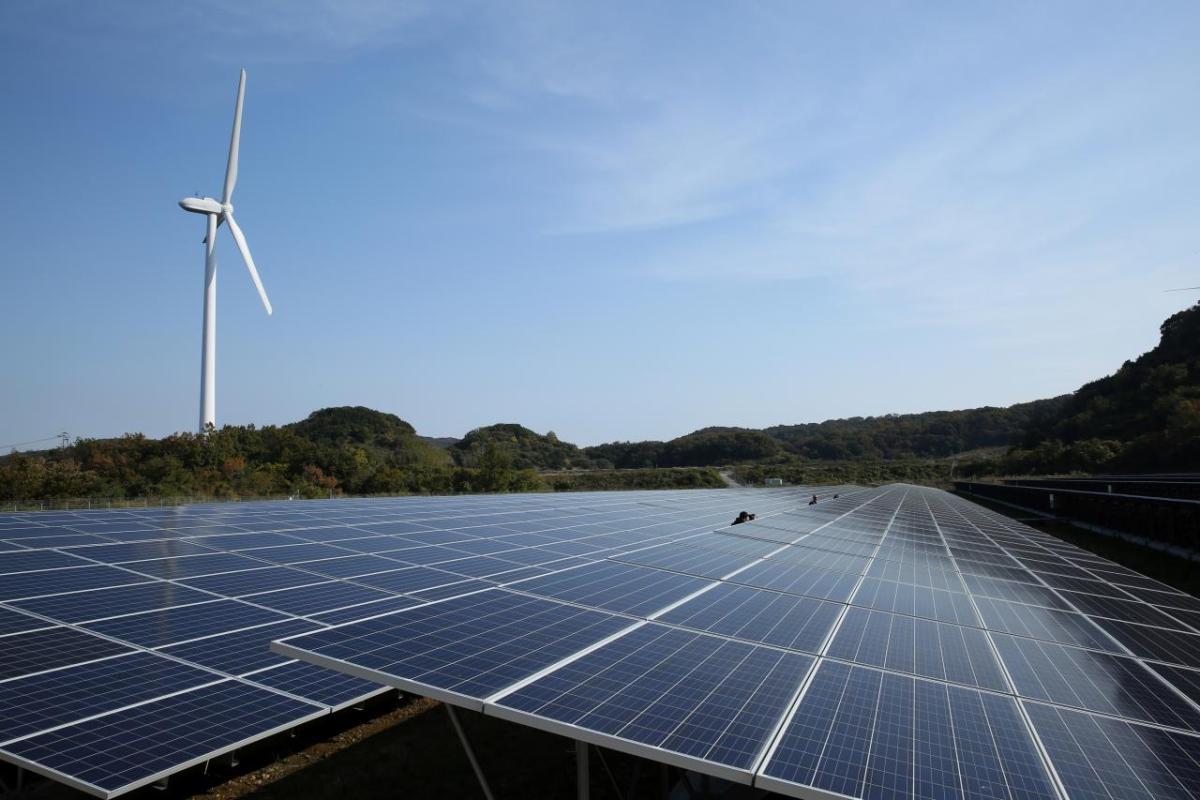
1170 522
86 503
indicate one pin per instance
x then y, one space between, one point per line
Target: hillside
523 447
934 434
1144 417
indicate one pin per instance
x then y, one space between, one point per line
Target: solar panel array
897 642
134 643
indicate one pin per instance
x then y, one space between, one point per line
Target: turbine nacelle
203 205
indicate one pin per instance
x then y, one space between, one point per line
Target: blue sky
614 221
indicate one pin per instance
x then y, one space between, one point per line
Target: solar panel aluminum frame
106 794
788 789
333 709
282 648
627 746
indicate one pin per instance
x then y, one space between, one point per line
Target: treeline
935 434
333 451
1143 418
924 471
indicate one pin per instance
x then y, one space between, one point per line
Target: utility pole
66 439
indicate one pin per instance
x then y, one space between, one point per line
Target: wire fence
86 503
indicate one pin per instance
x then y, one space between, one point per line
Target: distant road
729 481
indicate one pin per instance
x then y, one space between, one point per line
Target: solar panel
866 733
894 642
103 613
135 746
924 683
701 697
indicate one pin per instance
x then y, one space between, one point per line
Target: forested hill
1144 417
525 448
925 435
934 434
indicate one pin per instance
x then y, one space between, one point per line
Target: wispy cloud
1012 191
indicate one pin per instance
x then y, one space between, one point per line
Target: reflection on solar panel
897 642
134 643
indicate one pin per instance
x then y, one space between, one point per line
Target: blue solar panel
140 551
1126 610
129 748
614 586
865 733
918 646
193 566
1172 646
306 600
739 616
1086 679
47 699
16 622
470 646
51 648
1187 681
181 623
1063 627
917 601
809 581
916 574
409 579
240 652
759 615
700 696
333 689
1098 758
688 559
38 560
264 579
55 581
355 613
824 559
100 603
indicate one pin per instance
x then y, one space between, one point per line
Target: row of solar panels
893 643
135 643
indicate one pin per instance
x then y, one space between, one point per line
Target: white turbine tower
218 212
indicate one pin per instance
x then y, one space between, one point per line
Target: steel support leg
582 778
462 737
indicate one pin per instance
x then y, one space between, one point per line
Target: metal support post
582 779
462 737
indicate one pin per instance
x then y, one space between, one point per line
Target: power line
35 441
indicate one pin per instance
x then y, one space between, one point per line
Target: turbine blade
1184 289
241 243
231 169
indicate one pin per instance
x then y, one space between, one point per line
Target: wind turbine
216 213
